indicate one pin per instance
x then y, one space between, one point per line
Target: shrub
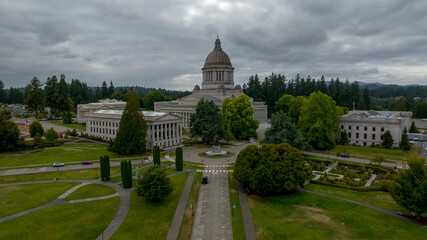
126 173
156 155
105 168
51 135
36 127
178 159
154 184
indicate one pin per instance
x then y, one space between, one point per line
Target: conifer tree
404 142
132 131
178 159
105 167
156 155
387 139
126 173
413 128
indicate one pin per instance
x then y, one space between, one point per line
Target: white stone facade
106 104
164 130
365 128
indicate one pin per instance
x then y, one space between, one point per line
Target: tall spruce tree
404 142
207 121
387 139
413 128
132 131
35 96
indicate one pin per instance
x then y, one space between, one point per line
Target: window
357 135
349 135
373 136
357 127
366 128
349 127
342 127
382 129
373 129
365 136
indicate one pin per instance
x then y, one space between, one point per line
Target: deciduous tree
9 134
36 127
151 98
410 187
154 184
319 121
207 121
51 135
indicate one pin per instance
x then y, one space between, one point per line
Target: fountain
216 150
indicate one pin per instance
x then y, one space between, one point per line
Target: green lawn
14 199
188 166
151 220
64 153
86 174
187 220
84 220
370 152
91 191
308 216
80 127
377 198
237 219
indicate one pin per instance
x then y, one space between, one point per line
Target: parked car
58 164
86 162
205 180
345 155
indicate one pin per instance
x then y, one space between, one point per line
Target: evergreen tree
35 96
132 131
387 139
36 127
104 90
413 128
322 86
52 93
282 130
344 137
366 98
111 89
207 121
156 155
63 103
3 94
154 184
178 159
126 173
105 167
404 142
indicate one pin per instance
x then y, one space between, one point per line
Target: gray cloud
164 43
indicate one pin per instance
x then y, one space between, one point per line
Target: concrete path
369 182
64 195
212 219
246 214
319 174
179 212
386 211
397 164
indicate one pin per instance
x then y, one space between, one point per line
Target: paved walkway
246 214
397 164
369 182
179 212
319 174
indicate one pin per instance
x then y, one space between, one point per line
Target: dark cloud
164 43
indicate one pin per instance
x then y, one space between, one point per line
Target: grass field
86 174
378 198
14 199
77 126
64 153
151 220
65 221
309 216
187 220
370 152
237 219
91 191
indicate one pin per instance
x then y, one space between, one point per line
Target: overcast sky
165 43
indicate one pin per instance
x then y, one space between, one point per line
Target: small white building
164 129
365 128
105 104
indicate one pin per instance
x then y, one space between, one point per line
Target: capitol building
217 85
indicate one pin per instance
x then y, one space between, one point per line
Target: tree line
344 93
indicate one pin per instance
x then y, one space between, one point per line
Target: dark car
204 180
345 155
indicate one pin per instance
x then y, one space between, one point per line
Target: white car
58 164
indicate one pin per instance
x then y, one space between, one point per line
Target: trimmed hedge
126 173
105 167
178 159
359 189
156 155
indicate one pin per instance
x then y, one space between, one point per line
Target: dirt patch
314 209
72 149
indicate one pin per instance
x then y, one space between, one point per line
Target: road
213 218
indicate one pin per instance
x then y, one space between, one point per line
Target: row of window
365 128
103 130
104 124
365 136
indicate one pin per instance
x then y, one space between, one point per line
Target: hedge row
359 189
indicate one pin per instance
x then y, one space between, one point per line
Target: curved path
386 211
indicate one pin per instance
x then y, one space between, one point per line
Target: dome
217 56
